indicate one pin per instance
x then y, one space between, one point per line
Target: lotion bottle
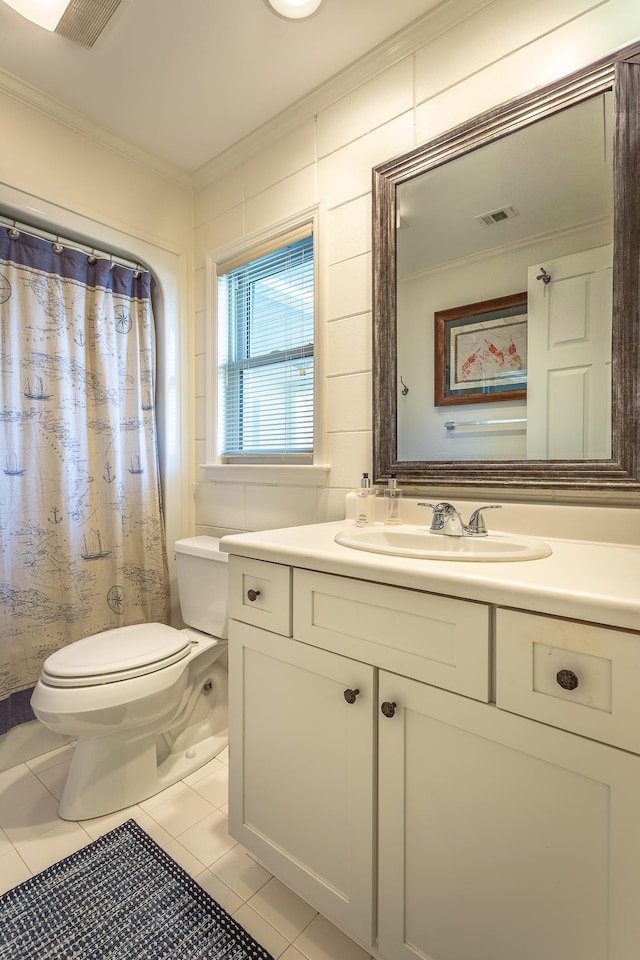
364 502
392 495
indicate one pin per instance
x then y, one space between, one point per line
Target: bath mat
119 898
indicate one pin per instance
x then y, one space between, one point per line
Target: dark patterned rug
119 898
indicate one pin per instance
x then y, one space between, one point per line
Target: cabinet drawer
577 676
440 640
260 594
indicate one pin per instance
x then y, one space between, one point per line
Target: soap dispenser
364 502
392 495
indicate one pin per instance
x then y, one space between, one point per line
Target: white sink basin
413 541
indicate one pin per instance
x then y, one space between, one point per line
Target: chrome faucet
447 522
477 527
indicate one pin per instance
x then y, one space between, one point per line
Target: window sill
307 475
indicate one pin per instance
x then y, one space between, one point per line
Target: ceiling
186 79
556 174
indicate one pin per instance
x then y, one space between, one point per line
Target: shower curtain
82 544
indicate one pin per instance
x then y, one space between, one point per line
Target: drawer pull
388 708
567 679
350 695
253 595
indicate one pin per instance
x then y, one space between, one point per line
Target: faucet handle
442 512
436 521
477 527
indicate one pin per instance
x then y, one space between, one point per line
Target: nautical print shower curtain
81 528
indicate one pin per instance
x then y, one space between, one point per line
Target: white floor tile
261 930
55 777
55 844
240 872
23 822
183 809
187 860
162 797
13 870
214 787
204 771
153 828
19 789
282 908
322 941
220 892
209 839
52 759
98 826
291 953
5 843
12 775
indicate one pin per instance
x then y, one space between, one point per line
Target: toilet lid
117 654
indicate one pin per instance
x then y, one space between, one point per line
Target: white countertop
583 580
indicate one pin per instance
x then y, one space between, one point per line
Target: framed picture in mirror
480 351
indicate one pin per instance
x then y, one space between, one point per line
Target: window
266 322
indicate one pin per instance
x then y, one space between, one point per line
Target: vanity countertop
582 580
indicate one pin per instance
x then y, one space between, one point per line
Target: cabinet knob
253 594
567 679
388 708
350 695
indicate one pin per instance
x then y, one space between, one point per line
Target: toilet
146 703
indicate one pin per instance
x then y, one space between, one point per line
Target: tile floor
189 820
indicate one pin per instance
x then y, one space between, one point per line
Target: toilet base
121 768
95 788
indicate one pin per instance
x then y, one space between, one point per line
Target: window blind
266 311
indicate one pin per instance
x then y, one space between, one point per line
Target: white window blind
266 309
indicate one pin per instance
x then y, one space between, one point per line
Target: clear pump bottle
364 502
392 495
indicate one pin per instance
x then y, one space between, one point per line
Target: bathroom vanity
442 757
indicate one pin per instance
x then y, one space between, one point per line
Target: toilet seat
119 654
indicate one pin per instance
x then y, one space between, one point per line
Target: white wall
323 152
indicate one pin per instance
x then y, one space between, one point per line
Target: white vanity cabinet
301 733
374 774
501 838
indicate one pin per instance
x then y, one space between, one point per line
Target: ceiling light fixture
46 13
295 9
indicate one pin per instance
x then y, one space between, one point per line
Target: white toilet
147 703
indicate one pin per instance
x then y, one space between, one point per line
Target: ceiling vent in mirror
497 216
84 20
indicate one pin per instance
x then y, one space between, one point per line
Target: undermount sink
413 541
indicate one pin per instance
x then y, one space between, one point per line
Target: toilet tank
202 584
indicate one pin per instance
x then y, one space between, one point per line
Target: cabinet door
500 837
302 770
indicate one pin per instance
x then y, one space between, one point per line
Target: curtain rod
42 234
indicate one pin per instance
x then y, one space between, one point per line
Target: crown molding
442 18
36 99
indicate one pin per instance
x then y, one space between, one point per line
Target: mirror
506 295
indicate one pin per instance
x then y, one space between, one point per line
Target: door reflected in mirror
504 296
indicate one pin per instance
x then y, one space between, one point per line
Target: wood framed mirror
612 461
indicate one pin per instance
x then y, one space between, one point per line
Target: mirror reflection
504 296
